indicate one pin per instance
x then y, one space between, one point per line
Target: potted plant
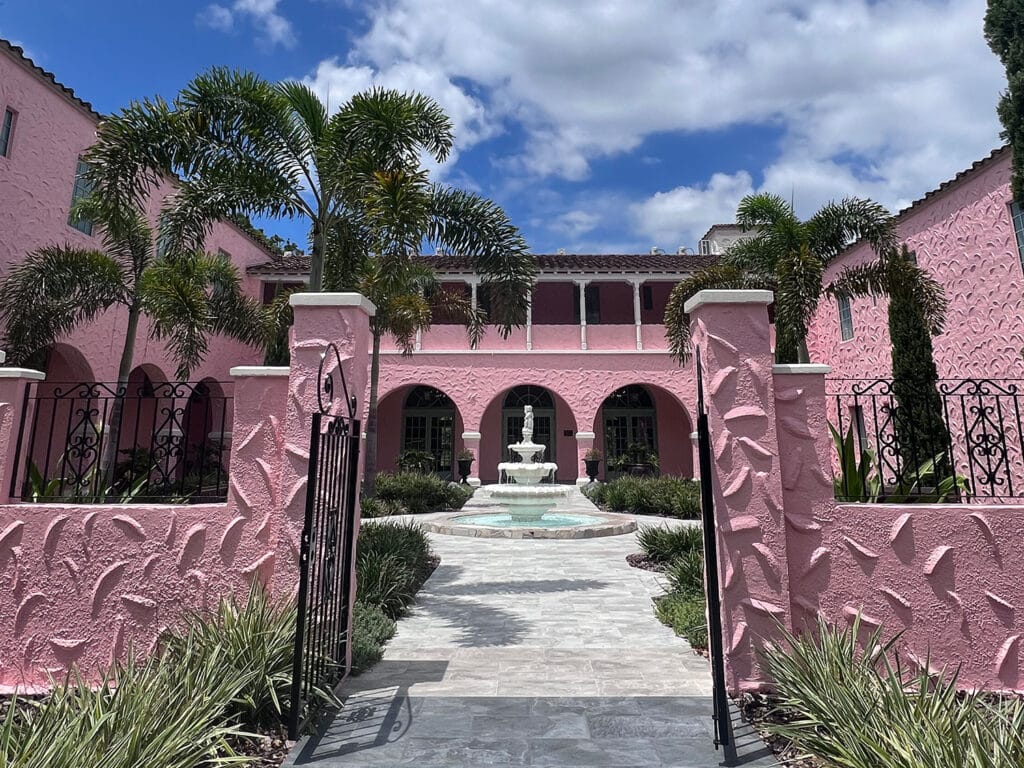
592 460
465 459
637 460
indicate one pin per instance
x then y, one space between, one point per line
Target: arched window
629 425
428 420
543 417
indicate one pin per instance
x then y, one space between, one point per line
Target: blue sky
600 125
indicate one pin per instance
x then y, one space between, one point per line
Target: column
471 442
320 319
731 331
636 314
14 382
473 283
529 321
584 442
583 312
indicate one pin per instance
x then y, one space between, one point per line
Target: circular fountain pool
553 525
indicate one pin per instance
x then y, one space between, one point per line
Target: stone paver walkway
528 652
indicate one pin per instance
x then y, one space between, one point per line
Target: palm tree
186 296
247 146
917 311
787 256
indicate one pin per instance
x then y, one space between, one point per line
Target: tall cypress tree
1004 32
920 423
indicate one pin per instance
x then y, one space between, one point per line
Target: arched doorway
630 424
644 420
428 425
543 418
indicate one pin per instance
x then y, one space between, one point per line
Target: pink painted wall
36 182
964 236
476 382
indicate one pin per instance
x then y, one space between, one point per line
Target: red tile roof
547 263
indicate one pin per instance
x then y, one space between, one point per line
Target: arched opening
428 431
543 418
205 441
643 428
554 427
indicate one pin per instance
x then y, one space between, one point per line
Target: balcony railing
550 338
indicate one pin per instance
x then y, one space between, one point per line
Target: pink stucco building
44 129
970 237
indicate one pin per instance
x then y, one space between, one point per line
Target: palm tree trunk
316 259
112 429
370 465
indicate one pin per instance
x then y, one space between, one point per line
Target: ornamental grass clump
854 704
151 713
419 492
662 544
393 559
662 496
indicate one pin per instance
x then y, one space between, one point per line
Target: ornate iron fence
964 443
327 545
172 444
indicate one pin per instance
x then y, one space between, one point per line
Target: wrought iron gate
328 537
720 698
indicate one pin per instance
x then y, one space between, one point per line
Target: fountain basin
553 525
527 473
527 503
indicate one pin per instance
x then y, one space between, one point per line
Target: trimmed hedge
418 493
663 496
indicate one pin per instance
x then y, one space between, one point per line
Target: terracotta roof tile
547 263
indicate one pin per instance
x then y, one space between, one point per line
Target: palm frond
53 291
797 292
719 276
462 222
835 226
407 313
764 211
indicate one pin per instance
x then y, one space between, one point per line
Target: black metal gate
328 538
720 699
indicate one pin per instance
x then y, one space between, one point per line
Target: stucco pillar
636 314
696 455
529 321
584 442
583 312
320 319
13 384
805 453
730 330
471 442
257 451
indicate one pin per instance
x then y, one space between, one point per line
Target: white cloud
575 223
681 215
274 28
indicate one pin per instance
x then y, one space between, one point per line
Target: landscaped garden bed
414 493
677 553
661 496
217 691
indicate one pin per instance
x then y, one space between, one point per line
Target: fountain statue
527 500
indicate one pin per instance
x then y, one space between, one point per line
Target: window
163 243
224 254
647 297
82 190
704 247
845 319
1017 214
6 133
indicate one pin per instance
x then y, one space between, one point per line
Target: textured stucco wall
36 182
79 584
747 484
476 382
964 237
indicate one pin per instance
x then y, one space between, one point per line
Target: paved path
528 652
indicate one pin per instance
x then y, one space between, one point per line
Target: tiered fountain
524 502
526 498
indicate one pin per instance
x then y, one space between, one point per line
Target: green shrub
419 493
374 507
385 581
663 496
853 704
406 541
663 544
166 715
371 629
686 615
685 574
